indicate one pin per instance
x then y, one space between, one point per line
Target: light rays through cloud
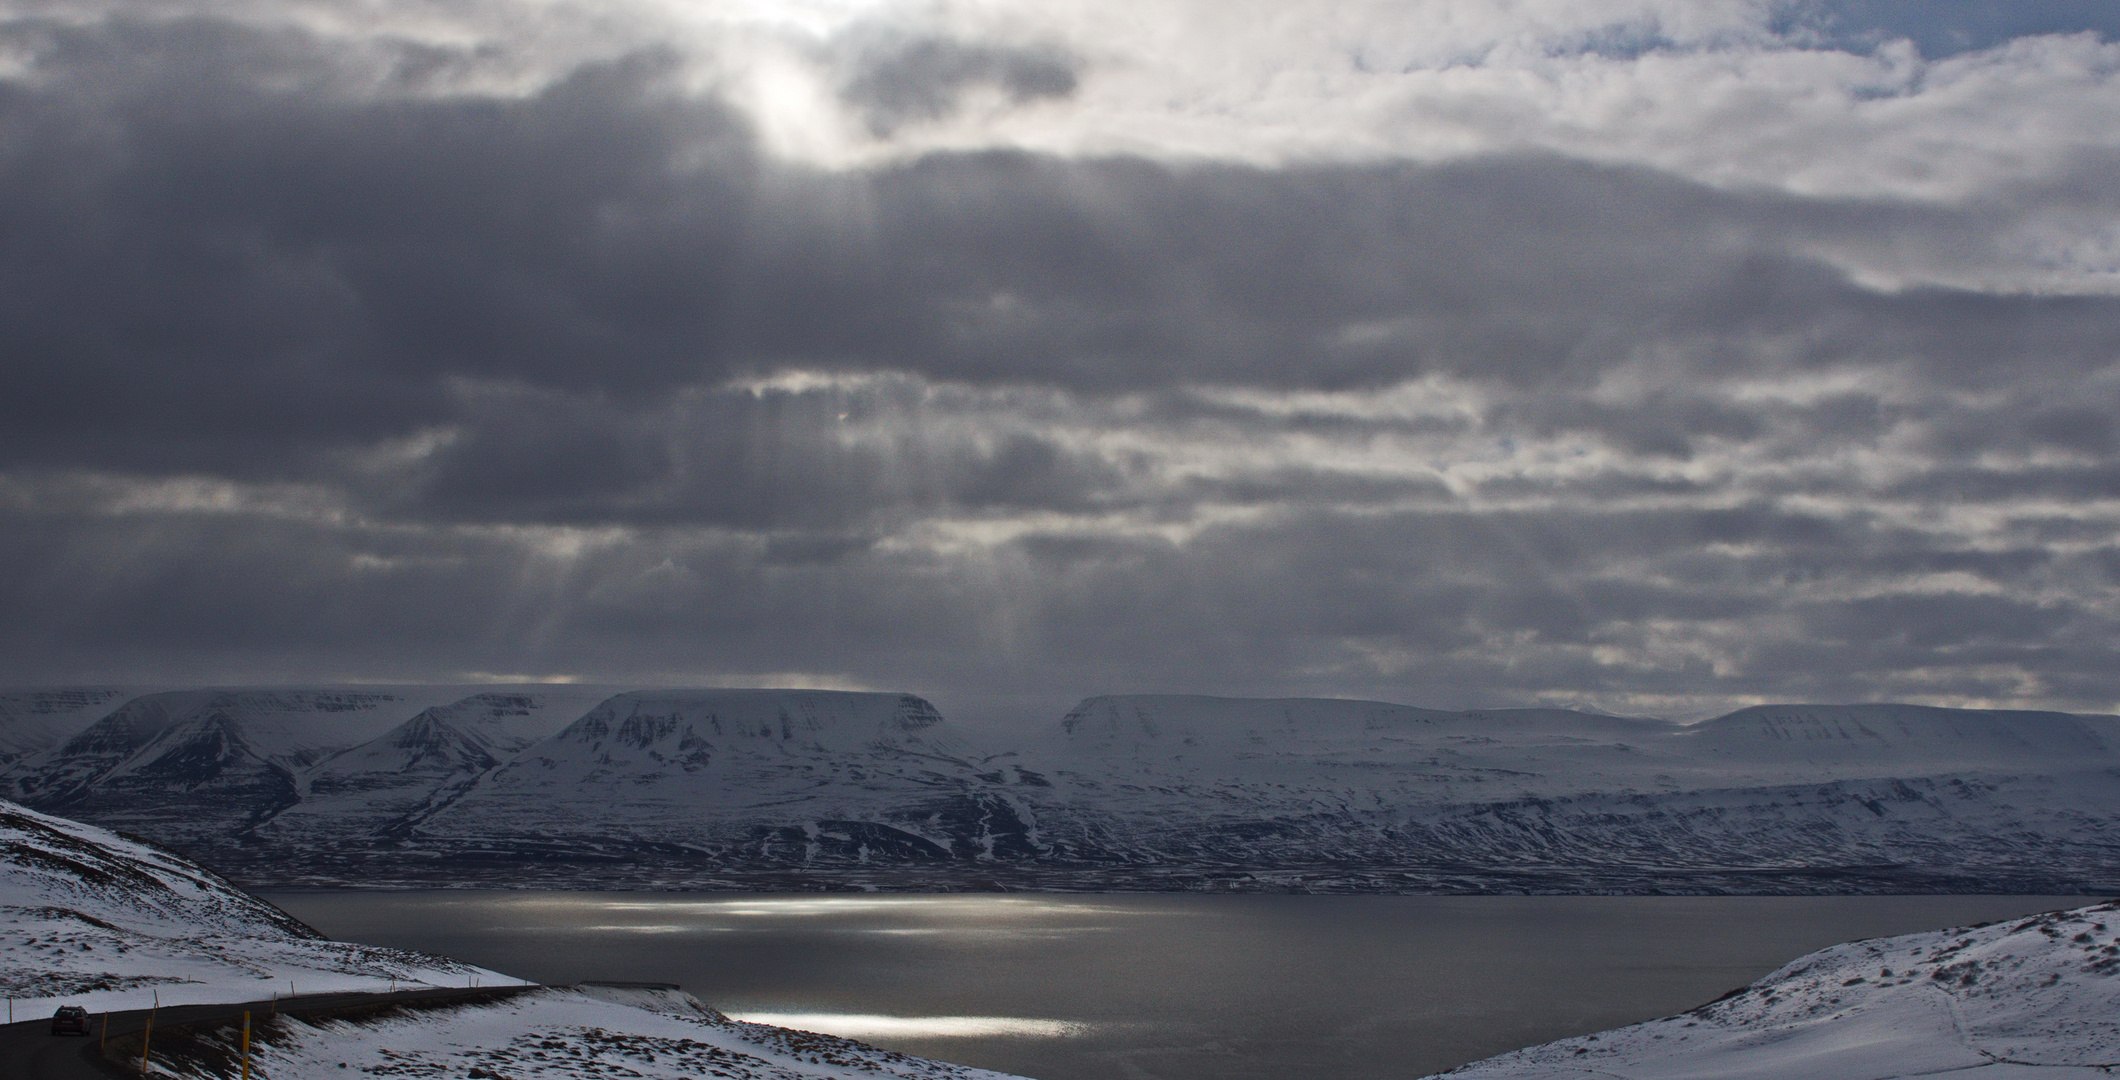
1640 355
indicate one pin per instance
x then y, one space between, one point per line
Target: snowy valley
805 789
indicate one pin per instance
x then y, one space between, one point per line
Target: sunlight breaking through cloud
1642 354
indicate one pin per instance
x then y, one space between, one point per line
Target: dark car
71 1018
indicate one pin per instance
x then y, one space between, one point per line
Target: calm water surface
1156 987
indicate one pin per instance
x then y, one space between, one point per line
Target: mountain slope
801 788
34 720
2030 997
379 788
576 1032
196 768
1850 741
96 919
1316 792
768 776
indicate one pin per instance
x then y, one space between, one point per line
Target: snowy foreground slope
93 919
90 918
800 789
2035 997
570 1033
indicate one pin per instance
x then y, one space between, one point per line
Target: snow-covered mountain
1804 797
1835 742
762 777
33 720
798 788
1420 754
2026 998
193 768
380 787
474 734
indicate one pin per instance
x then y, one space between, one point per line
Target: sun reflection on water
872 1026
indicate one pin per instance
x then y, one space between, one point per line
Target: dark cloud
231 262
1661 423
1975 484
895 79
1449 606
318 367
1920 624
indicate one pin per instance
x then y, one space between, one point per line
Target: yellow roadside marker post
246 1045
149 1033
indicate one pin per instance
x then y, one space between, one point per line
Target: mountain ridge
830 789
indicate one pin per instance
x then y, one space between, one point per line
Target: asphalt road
29 1050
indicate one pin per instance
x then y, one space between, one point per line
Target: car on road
70 1018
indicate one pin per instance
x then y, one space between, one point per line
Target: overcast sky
1658 356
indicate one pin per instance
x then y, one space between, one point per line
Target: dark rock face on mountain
809 789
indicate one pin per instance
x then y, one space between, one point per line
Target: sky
1652 356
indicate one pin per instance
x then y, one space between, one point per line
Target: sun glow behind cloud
1709 91
1646 352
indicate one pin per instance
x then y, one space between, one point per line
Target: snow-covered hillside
572 1033
775 777
1790 798
1815 742
194 767
2032 997
802 788
203 770
88 917
1157 741
382 787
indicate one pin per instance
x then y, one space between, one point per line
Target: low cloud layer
1657 358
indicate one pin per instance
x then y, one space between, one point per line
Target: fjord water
1156 987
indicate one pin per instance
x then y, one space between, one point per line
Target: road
29 1051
